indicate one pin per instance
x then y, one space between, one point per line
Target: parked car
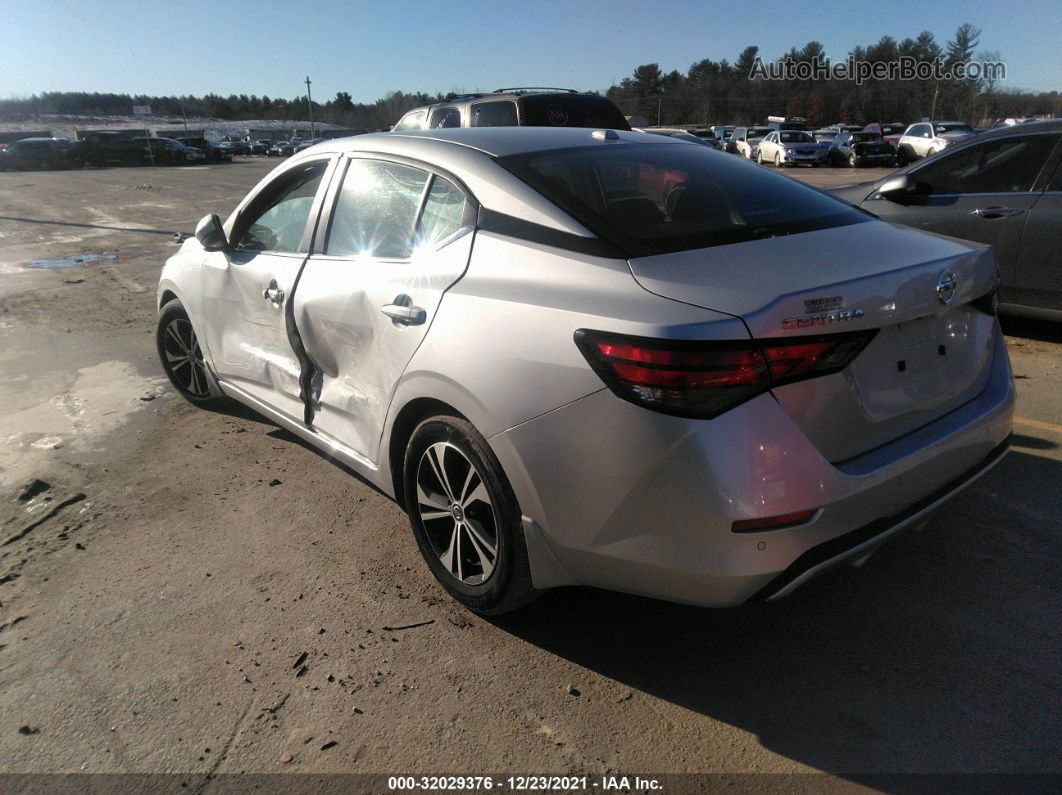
510 107
790 123
167 151
840 128
680 135
238 146
305 144
722 382
858 149
41 154
261 146
745 141
213 152
791 148
283 148
722 132
925 139
1002 188
890 132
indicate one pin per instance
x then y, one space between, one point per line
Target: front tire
777 159
465 517
182 357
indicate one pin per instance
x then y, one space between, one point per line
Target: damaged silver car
595 357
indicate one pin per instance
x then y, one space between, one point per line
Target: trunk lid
927 357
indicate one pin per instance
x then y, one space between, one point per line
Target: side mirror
895 189
210 234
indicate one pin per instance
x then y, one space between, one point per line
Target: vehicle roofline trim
511 226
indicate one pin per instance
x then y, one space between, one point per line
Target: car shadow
940 654
232 408
1031 328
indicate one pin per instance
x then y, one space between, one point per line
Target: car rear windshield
571 110
656 198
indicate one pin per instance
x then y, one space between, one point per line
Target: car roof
499 141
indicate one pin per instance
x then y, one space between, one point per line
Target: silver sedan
586 357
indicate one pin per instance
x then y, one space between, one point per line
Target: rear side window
445 117
376 209
656 198
443 214
494 114
1003 165
571 110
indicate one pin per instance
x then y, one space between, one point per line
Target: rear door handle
996 211
402 311
273 294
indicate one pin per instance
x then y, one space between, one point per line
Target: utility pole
309 104
659 103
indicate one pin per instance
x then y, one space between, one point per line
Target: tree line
722 92
340 110
709 92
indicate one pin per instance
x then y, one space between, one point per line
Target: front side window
655 199
445 117
375 210
279 216
494 114
1003 165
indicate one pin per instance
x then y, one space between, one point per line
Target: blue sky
371 48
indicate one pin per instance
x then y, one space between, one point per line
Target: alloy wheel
184 357
457 513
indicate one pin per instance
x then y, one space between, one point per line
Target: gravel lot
199 593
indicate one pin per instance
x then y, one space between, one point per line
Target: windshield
652 199
795 138
954 128
758 132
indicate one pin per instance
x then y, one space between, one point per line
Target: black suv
518 107
211 151
40 153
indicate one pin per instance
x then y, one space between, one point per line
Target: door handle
273 294
402 311
996 211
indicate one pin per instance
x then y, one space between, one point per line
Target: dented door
246 290
398 238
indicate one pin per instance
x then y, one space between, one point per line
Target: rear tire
465 517
182 357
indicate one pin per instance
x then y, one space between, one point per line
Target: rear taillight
704 379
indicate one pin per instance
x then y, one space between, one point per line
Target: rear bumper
860 542
640 502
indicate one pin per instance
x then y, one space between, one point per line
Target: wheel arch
405 421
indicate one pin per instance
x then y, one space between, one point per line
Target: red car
890 131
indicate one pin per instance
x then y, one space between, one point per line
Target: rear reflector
773 522
703 379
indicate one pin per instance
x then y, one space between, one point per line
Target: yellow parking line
1043 426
